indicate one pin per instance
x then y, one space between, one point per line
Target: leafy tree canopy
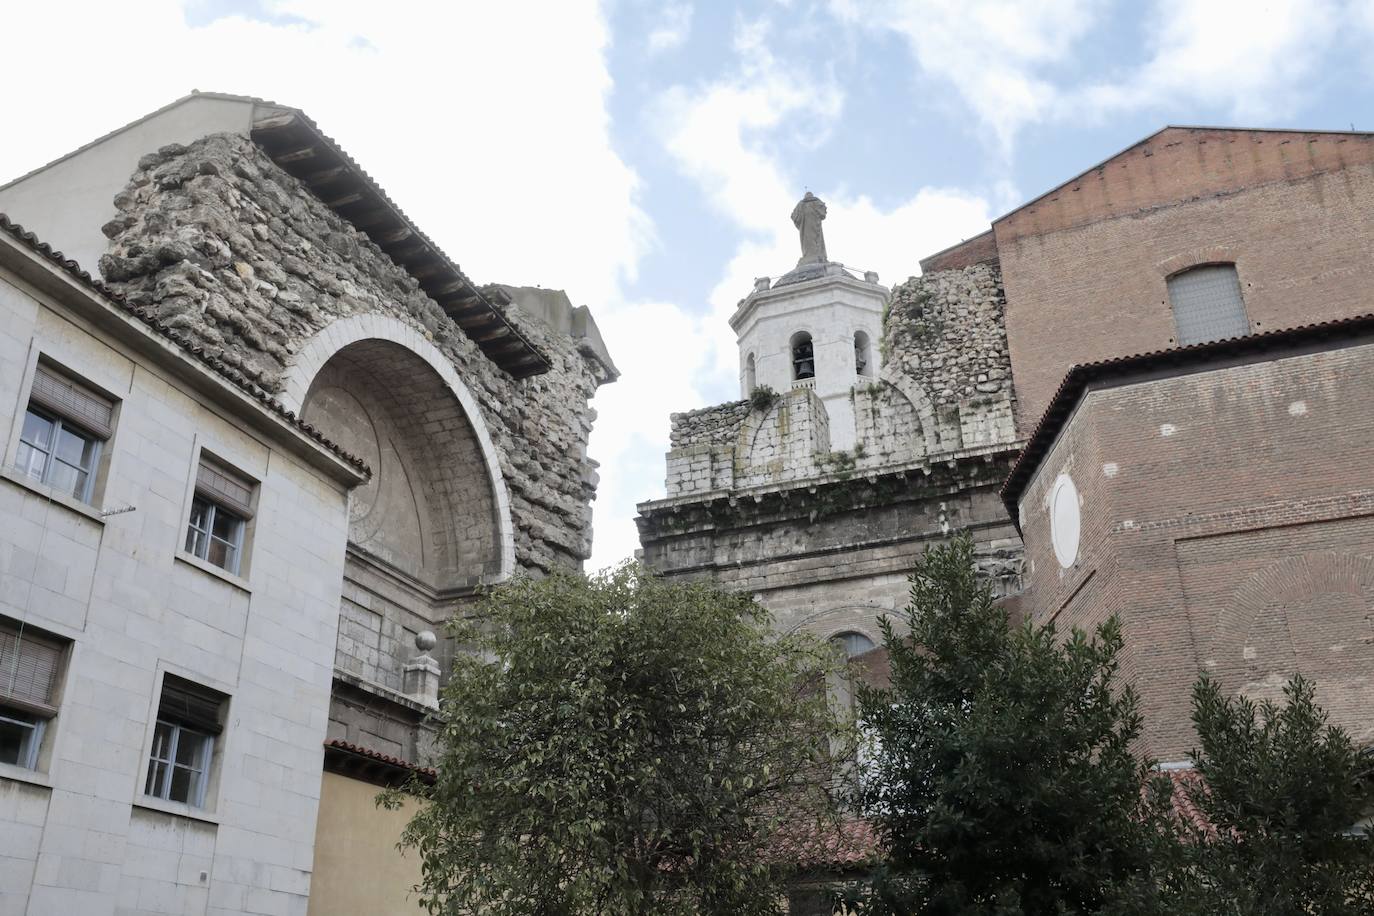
999 767
621 744
1282 790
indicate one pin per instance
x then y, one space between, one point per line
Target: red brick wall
1228 519
981 249
1084 267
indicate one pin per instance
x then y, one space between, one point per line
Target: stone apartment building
247 478
1160 365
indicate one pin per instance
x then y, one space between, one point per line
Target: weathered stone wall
945 387
718 425
234 252
945 334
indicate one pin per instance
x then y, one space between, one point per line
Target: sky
645 156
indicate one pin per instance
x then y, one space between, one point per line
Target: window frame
28 711
1171 289
60 424
163 769
223 492
186 710
198 539
32 744
70 406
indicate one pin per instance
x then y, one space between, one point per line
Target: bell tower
817 326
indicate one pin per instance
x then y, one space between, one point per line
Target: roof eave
66 284
296 144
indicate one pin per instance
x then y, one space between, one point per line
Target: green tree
621 745
1282 790
999 768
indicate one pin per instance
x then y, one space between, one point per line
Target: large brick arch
366 337
1309 613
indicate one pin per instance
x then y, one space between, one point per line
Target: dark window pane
188 749
226 525
156 771
200 509
182 781
14 740
162 740
195 542
219 553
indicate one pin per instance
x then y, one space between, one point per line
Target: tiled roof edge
185 344
1077 379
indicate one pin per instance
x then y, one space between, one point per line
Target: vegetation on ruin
622 745
998 765
763 397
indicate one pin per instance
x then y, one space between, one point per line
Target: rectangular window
30 667
1207 304
64 427
188 719
220 511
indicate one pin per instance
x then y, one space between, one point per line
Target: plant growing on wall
998 767
1284 794
622 745
762 397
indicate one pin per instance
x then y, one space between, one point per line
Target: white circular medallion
1064 520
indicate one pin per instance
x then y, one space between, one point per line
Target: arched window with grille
1207 304
851 643
803 357
863 355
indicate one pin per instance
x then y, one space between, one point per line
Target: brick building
1203 470
247 478
1207 459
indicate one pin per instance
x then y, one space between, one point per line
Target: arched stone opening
431 510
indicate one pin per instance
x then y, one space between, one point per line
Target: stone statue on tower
807 216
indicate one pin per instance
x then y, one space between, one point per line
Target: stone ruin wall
237 255
945 387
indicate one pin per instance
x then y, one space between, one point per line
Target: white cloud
1007 59
672 29
488 124
1254 63
732 135
995 53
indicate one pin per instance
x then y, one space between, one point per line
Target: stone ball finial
426 640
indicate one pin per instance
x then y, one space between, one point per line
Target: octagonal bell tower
817 326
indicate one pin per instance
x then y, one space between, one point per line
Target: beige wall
358 870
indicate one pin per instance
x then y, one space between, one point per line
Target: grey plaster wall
66 202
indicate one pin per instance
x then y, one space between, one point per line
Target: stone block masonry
232 251
759 499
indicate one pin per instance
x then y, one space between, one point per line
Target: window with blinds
30 671
74 402
188 720
1207 304
220 511
64 427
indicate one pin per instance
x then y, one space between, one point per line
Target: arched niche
436 507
